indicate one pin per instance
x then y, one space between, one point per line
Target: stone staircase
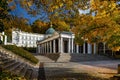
17 66
87 57
64 57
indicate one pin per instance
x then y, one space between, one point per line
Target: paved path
105 69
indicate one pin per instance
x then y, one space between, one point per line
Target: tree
104 26
39 27
3 13
60 25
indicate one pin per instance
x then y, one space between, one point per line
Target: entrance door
65 46
56 45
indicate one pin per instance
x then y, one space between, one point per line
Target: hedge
21 52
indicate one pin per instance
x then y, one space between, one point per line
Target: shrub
32 50
21 52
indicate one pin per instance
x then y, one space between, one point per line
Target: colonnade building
63 42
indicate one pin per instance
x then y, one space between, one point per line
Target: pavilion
63 42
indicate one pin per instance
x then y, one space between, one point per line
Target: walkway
104 69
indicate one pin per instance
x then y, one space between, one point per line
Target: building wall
24 39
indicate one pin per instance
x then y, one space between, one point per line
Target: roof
65 32
50 31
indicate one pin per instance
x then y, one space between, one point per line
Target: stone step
34 74
28 74
17 65
9 64
10 68
23 71
18 68
64 57
4 59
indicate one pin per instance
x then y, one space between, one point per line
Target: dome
50 31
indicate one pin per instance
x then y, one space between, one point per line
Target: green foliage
21 52
103 27
39 27
3 13
6 75
31 50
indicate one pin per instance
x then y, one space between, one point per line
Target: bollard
118 68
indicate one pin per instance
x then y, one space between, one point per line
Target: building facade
1 37
25 39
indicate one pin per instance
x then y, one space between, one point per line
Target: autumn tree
40 27
104 26
3 13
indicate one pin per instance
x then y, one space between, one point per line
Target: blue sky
20 12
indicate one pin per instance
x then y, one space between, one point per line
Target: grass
21 52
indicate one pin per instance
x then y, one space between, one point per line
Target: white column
50 47
104 47
94 45
77 48
84 48
54 50
45 48
69 45
61 43
39 48
89 48
42 48
1 38
72 46
5 40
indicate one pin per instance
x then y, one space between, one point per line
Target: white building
3 38
25 39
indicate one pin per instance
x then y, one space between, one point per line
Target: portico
63 42
59 42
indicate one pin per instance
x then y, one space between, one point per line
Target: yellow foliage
30 3
116 48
